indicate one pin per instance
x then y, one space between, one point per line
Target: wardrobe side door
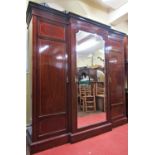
51 76
116 78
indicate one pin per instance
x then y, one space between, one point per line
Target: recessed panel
115 57
50 30
52 77
116 77
117 110
52 125
116 44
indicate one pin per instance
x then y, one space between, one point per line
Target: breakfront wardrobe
62 48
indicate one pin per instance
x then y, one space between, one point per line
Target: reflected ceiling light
66 56
59 57
42 49
109 47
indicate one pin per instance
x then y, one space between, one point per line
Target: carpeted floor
114 142
91 118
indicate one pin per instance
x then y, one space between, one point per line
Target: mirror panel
90 65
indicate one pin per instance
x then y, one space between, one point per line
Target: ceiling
108 4
114 4
88 42
117 10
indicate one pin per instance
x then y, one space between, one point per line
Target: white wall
123 27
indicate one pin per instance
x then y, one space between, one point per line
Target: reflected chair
81 95
99 89
87 97
100 92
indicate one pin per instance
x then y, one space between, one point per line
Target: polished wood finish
49 84
126 71
77 25
87 133
126 48
50 30
51 77
54 87
117 78
38 10
37 146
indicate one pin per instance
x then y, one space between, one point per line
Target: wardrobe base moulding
41 145
47 143
75 137
120 121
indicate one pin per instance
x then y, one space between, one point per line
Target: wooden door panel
115 43
52 77
117 110
50 30
116 77
116 80
116 57
116 98
52 125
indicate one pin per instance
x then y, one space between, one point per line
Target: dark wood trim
34 77
52 133
108 108
72 75
41 145
51 17
97 124
69 76
81 18
117 117
52 39
50 115
75 137
65 15
115 32
32 6
126 99
117 104
126 71
119 122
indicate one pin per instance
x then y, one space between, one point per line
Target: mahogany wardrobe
69 55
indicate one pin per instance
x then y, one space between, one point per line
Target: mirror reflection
90 64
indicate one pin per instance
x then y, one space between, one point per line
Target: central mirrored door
90 65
